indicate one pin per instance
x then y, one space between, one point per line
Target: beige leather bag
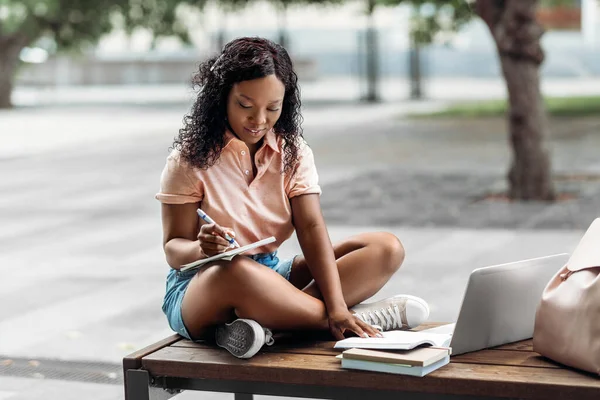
567 322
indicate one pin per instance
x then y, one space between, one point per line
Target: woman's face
253 108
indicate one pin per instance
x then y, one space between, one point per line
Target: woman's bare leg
365 263
252 291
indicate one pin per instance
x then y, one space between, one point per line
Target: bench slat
298 347
456 378
322 344
300 342
524 345
513 354
505 357
133 360
490 356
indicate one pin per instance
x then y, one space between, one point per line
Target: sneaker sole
240 338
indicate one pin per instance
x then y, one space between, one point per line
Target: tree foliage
432 17
558 3
281 6
80 23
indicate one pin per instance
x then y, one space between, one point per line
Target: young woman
241 157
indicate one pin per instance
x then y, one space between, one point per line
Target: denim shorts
177 283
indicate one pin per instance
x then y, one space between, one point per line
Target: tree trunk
414 61
10 49
530 173
220 37
372 53
517 36
220 40
414 64
282 18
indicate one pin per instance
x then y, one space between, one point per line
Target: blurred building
326 41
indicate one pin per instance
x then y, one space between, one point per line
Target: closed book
419 357
394 368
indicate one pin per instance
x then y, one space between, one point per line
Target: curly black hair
202 137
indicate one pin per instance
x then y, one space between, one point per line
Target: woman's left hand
341 321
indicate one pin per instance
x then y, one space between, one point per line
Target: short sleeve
306 179
177 185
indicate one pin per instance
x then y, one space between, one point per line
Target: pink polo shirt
255 207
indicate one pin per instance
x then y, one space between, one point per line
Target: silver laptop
500 302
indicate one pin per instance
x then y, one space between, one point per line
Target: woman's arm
318 252
180 230
317 249
183 241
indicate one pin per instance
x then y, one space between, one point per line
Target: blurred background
439 121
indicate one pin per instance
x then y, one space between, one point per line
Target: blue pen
208 219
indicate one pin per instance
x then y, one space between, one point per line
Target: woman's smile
254 132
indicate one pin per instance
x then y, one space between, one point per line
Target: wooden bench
306 367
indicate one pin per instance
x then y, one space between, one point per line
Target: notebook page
447 329
402 340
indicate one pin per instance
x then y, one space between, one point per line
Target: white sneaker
243 337
397 312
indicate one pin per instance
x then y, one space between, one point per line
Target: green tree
517 33
227 6
282 11
76 25
429 19
282 7
372 54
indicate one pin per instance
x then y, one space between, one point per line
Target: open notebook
397 340
228 255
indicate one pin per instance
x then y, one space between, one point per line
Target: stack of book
417 362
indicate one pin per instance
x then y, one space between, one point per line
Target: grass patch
556 106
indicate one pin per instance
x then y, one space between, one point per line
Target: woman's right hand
212 240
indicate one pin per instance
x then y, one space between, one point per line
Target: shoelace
269 337
388 318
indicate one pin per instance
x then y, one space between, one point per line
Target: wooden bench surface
512 370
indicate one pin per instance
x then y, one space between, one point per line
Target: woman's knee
391 251
226 283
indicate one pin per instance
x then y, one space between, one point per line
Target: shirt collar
229 137
270 139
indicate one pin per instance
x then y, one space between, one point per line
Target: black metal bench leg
244 396
137 385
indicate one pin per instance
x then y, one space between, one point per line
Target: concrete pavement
80 233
